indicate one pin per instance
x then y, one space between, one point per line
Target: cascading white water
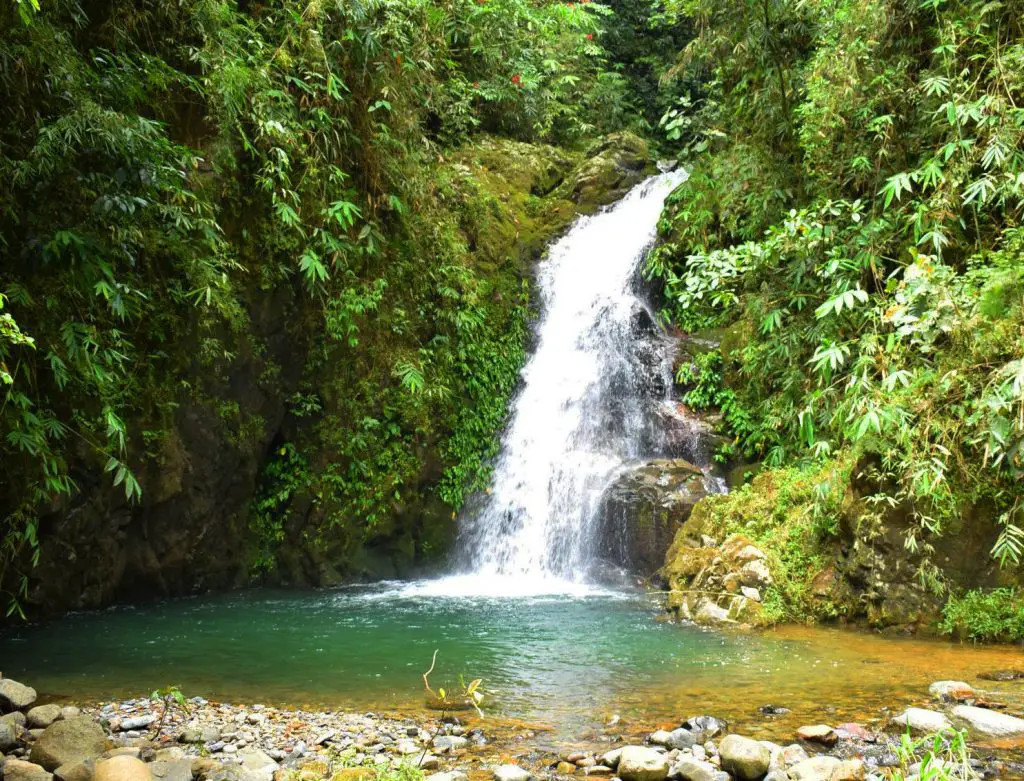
579 418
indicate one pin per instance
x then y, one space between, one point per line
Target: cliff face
286 447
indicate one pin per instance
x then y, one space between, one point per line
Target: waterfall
580 417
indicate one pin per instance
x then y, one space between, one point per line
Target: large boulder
989 722
15 696
638 763
19 770
746 759
612 167
122 768
67 741
642 510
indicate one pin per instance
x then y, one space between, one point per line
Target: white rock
511 773
989 722
611 758
921 720
751 593
660 738
709 613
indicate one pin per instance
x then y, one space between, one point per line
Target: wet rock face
641 511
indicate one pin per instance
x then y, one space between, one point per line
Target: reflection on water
566 659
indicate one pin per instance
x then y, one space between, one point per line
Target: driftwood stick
426 675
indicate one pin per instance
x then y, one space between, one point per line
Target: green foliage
787 513
990 615
170 170
852 220
943 756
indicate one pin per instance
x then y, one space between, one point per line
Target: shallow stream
570 660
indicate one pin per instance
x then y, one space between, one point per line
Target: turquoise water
565 659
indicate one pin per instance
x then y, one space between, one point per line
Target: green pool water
566 659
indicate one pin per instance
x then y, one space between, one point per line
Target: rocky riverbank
168 739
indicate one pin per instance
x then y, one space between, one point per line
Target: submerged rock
1002 675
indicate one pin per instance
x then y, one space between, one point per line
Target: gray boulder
451 775
611 758
17 717
172 770
19 770
746 759
638 763
681 738
200 734
989 722
43 716
444 743
69 741
15 696
642 509
689 769
8 735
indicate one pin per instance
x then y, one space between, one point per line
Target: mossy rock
355 774
684 563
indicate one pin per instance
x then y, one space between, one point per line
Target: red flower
590 36
517 79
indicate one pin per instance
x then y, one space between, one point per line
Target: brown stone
818 733
123 768
68 741
19 770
